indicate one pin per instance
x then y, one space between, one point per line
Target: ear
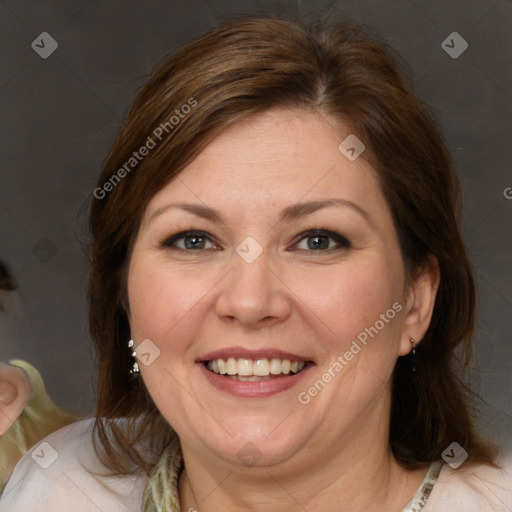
14 395
420 300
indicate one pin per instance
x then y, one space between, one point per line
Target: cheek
360 310
161 298
351 298
154 301
357 314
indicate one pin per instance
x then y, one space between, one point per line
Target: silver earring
135 367
413 343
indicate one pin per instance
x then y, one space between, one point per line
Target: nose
253 295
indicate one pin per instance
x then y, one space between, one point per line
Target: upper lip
243 353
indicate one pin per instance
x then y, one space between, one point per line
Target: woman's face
269 252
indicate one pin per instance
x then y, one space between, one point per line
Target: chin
262 445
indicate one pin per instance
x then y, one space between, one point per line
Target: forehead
281 157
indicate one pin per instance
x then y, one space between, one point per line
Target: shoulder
473 489
62 473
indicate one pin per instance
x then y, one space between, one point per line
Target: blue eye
316 240
321 241
189 240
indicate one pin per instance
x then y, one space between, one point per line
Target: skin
14 395
14 387
333 453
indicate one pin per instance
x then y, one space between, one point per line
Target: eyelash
343 242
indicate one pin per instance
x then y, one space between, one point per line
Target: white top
62 474
57 475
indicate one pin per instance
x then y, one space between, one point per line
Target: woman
278 287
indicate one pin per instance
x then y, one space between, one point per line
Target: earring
135 367
413 344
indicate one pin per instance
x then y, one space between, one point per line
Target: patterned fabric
420 498
162 494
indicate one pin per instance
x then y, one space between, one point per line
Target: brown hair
242 68
7 282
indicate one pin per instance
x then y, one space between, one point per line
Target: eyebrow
290 213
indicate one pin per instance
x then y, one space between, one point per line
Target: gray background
60 114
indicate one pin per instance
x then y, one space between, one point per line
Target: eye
320 240
189 241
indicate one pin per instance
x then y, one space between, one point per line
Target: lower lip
255 389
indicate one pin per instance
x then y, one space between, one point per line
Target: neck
353 475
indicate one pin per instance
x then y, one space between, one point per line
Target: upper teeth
258 367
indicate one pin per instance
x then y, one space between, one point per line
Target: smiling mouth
255 369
